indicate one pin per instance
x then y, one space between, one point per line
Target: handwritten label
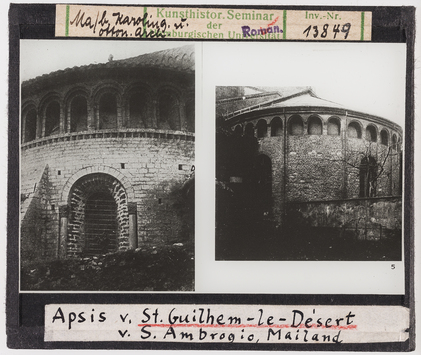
211 23
226 323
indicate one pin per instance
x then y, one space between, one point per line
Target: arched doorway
100 224
99 216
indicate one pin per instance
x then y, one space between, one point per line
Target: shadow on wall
355 230
166 216
170 214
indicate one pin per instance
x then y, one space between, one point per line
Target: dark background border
25 311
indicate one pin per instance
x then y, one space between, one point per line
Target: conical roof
180 59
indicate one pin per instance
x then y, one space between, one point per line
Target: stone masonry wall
326 166
368 219
152 164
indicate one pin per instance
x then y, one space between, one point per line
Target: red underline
302 326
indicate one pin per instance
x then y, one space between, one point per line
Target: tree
370 164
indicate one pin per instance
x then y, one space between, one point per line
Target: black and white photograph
107 166
194 177
304 178
309 156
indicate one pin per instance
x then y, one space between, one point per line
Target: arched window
78 114
30 126
169 112
296 126
238 130
190 115
138 110
368 177
371 133
333 126
108 111
384 137
249 130
314 125
276 127
354 130
262 129
52 118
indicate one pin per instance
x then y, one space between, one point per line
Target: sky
45 56
367 77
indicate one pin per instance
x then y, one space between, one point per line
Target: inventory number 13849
324 31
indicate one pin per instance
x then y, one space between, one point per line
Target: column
119 109
69 118
132 207
91 114
64 220
62 122
155 114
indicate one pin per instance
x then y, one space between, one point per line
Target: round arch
168 115
314 125
333 126
77 102
371 133
137 102
295 125
261 128
354 129
29 122
125 181
384 137
99 215
276 127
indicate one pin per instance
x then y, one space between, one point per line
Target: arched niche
107 110
333 126
52 118
238 130
169 111
30 117
139 109
314 125
354 130
371 133
384 137
78 114
295 126
261 128
276 127
249 130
